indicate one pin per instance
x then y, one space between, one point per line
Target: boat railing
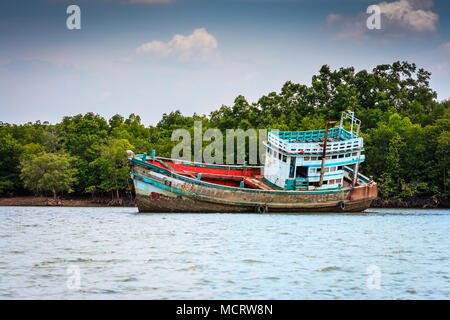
314 147
349 172
297 183
225 166
305 136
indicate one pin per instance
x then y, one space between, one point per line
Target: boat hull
180 205
159 190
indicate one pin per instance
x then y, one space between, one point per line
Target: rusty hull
165 191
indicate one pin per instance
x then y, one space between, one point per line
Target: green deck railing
299 136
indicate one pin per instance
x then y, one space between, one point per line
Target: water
118 253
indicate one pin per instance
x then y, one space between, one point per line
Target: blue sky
154 56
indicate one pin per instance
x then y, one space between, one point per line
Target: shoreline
413 202
31 201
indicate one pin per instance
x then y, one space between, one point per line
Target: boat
303 172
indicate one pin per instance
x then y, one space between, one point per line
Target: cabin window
341 156
279 156
340 167
334 157
313 158
306 158
333 169
347 155
355 154
284 159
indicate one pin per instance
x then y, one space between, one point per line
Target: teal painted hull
162 190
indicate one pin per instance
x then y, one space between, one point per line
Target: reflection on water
118 253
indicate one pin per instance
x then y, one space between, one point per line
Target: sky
151 57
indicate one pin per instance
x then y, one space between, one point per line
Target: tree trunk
54 193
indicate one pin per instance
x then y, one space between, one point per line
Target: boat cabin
311 160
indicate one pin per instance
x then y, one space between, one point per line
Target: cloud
333 17
199 45
398 18
410 14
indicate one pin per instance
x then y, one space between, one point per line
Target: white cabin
294 159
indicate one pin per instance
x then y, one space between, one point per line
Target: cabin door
301 172
292 168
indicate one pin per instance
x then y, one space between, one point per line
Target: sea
118 253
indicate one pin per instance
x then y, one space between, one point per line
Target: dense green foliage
49 172
406 131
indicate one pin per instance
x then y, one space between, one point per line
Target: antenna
355 122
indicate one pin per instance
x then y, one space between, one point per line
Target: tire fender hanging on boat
341 205
259 208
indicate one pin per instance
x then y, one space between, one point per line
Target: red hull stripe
179 167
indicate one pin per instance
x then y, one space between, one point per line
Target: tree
390 180
443 153
30 150
112 166
48 172
10 151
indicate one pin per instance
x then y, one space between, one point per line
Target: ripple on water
130 279
252 261
330 268
191 268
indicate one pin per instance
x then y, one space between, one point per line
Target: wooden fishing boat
308 171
